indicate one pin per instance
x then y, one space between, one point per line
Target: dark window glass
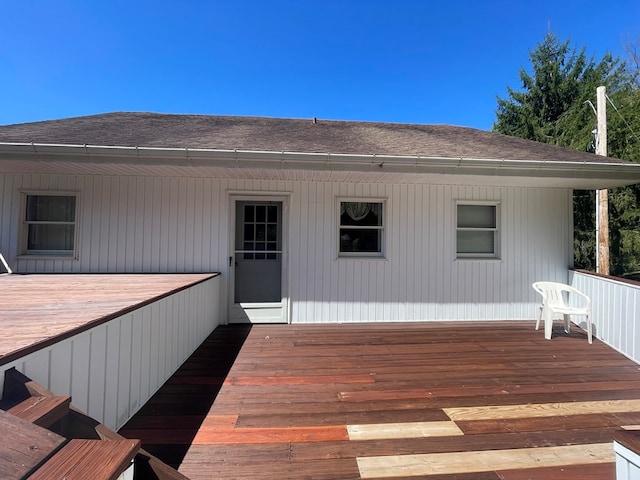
272 214
361 227
249 213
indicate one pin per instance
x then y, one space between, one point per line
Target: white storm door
258 262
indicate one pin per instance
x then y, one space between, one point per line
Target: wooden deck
437 401
38 310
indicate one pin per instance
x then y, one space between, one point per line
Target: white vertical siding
113 369
156 224
627 463
615 307
420 279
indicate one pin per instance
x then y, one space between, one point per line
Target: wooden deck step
42 411
94 451
148 466
24 446
95 459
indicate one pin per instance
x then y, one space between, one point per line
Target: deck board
487 460
277 401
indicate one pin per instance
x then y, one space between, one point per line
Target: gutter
187 157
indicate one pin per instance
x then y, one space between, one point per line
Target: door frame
284 198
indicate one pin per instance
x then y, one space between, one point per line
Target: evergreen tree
552 108
623 131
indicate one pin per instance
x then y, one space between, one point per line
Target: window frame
25 224
382 228
495 255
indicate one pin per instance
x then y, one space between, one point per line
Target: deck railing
615 304
113 369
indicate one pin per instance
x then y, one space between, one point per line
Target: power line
623 119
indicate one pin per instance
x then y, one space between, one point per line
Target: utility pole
602 196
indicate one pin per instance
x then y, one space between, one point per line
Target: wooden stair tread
27 409
96 459
42 411
25 446
147 465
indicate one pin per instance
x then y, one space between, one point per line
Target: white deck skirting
112 369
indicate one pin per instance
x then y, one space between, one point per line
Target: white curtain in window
356 210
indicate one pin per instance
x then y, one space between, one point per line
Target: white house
309 221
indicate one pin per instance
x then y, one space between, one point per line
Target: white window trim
24 226
383 237
496 255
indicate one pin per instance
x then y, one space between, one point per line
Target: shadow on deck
170 420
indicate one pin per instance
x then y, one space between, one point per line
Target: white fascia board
623 173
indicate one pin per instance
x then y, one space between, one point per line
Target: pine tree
623 131
552 108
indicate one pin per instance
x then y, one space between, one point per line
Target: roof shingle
287 135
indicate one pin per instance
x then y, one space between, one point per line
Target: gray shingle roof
286 135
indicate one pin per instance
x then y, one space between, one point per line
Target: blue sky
416 61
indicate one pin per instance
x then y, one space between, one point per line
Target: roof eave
610 173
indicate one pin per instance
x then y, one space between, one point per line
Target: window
361 229
50 224
477 230
260 231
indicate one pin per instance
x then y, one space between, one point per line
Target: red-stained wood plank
214 436
598 471
300 380
535 424
42 411
291 419
95 459
466 391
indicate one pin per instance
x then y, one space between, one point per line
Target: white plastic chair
554 302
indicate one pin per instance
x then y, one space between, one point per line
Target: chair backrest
5 264
557 294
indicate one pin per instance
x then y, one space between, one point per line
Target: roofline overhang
625 173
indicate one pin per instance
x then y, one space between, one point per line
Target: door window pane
272 214
248 231
260 230
249 213
272 232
